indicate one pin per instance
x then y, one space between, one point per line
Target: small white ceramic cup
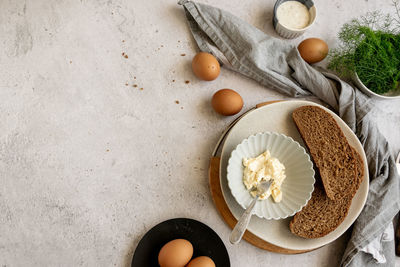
289 33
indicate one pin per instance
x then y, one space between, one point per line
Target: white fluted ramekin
296 188
289 33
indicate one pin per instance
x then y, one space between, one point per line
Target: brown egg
227 102
205 66
176 253
202 261
313 50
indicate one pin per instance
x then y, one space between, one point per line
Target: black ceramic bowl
204 240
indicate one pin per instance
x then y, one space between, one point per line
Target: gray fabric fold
278 65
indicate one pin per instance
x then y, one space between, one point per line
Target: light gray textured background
88 162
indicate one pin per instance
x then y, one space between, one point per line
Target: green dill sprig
370 47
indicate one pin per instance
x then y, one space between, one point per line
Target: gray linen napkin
278 65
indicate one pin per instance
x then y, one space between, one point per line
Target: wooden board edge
267 103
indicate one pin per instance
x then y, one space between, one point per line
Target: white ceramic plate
296 188
277 117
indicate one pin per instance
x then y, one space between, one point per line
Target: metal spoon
241 225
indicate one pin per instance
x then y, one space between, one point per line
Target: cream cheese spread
264 168
293 15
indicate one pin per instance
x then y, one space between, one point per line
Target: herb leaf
370 47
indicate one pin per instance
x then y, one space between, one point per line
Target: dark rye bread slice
329 149
322 215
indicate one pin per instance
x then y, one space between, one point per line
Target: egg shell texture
227 102
202 261
205 66
313 50
175 253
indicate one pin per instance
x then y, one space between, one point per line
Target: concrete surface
96 148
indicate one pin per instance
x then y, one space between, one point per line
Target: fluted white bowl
296 188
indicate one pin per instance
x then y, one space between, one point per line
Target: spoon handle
241 225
